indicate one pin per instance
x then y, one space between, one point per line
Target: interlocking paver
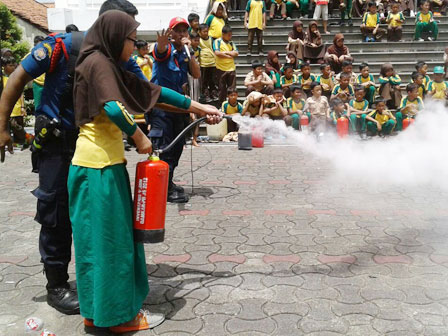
261 250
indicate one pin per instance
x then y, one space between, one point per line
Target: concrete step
407 27
244 68
358 46
408 36
412 57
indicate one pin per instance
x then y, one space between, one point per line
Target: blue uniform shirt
171 68
38 62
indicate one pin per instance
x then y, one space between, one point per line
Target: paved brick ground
270 244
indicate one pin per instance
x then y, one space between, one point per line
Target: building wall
153 14
29 31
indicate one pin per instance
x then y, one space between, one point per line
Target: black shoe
342 23
64 300
177 197
177 188
350 22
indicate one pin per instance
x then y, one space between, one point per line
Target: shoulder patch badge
39 54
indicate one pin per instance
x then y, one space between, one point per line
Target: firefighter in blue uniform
172 63
53 149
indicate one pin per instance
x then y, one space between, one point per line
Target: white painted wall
29 31
153 14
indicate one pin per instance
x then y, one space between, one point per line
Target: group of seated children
326 98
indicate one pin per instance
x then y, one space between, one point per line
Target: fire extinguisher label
141 200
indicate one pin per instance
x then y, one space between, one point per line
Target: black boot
176 194
60 296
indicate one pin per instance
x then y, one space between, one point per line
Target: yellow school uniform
295 106
381 118
439 88
284 80
100 142
256 9
146 69
215 25
371 20
17 110
224 64
395 18
207 59
426 18
40 80
277 112
227 108
362 105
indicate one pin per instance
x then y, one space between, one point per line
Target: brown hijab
294 34
270 65
335 49
100 76
314 37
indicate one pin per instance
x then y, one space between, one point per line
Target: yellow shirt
224 64
295 106
395 18
382 118
100 143
40 80
146 69
439 89
370 20
256 9
227 108
424 17
277 112
17 110
207 59
215 26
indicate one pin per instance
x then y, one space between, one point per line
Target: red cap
178 20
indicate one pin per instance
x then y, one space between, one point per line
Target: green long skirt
110 268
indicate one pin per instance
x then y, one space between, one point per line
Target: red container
151 191
407 122
342 127
304 120
257 139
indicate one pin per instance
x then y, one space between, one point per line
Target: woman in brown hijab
111 271
273 67
314 50
337 53
296 39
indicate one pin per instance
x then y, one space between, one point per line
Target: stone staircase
403 55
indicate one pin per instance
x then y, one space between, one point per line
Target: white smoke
415 157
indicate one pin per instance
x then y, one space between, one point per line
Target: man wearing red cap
173 60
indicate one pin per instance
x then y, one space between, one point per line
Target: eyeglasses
133 40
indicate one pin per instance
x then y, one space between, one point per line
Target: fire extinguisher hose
182 134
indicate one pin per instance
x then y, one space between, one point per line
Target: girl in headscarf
292 60
390 86
337 53
296 39
216 19
111 274
273 67
314 50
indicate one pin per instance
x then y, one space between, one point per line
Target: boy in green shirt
409 106
381 120
295 105
287 79
357 111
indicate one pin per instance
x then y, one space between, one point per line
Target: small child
17 122
370 27
395 20
278 7
357 111
295 105
275 106
438 87
318 107
390 86
326 80
343 90
380 121
287 80
258 80
255 23
225 51
253 105
366 79
418 79
422 68
424 22
143 59
347 67
322 10
208 66
306 78
409 106
230 107
339 111
193 21
216 20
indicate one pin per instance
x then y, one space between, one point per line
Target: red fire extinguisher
406 122
342 127
151 191
304 122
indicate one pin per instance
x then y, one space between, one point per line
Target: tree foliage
11 34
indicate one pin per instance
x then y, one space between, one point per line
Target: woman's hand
144 145
211 112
